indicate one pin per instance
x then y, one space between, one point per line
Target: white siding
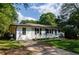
20 36
30 34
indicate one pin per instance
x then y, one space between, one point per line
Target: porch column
53 32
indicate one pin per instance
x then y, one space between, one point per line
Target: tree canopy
70 19
45 19
7 16
48 19
28 21
67 9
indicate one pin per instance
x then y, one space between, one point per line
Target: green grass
7 44
70 45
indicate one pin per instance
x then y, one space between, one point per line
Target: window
58 30
24 31
38 30
55 32
47 31
52 31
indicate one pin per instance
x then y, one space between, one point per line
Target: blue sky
34 10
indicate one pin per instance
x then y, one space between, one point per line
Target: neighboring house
33 31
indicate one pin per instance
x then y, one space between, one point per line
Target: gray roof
32 25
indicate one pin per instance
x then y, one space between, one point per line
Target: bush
70 32
8 36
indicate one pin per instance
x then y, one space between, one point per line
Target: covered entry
12 30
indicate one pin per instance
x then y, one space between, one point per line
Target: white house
31 31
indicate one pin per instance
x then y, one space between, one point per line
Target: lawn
70 45
7 44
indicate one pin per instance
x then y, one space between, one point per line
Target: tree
70 31
67 9
7 16
28 21
48 19
74 19
70 20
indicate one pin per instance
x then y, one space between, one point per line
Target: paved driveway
35 48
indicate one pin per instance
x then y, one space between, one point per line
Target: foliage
67 9
70 31
74 19
28 21
70 19
70 45
48 19
7 16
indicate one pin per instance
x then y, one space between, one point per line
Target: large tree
70 19
48 19
67 9
7 16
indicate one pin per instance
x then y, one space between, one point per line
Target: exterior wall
20 36
30 34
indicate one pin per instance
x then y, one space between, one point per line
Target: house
31 31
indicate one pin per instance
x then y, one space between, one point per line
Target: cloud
21 17
41 8
50 7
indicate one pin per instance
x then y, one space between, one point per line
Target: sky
35 10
